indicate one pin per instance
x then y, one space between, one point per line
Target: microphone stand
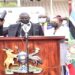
26 35
27 50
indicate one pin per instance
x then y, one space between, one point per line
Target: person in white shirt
59 28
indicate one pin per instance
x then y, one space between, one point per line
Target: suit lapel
31 30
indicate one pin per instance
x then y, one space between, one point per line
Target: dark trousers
64 69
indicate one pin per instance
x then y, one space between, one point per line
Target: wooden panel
49 52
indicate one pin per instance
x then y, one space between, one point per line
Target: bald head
24 18
24 15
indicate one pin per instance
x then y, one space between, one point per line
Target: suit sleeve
1 30
41 31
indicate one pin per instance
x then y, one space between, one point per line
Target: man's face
24 18
56 22
1 22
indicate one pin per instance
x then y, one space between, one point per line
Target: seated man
24 26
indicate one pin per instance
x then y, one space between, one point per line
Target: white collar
26 27
28 24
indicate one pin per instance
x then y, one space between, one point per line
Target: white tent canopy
13 14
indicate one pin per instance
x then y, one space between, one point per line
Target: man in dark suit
24 26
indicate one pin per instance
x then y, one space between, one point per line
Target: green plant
8 4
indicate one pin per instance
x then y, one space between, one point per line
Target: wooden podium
49 52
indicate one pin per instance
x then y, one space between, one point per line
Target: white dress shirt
25 29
